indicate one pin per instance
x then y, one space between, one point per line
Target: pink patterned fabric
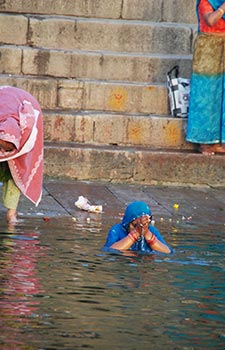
21 124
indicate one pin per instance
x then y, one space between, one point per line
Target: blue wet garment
117 232
120 231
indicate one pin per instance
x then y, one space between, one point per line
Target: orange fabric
203 8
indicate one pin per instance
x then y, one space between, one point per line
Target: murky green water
59 291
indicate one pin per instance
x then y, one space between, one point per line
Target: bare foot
207 149
11 216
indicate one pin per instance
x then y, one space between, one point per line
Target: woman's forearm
123 244
160 247
156 244
213 17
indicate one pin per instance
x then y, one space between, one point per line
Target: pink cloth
21 123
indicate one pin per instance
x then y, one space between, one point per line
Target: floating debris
84 204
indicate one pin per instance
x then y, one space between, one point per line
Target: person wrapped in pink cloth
21 148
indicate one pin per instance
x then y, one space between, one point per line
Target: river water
58 290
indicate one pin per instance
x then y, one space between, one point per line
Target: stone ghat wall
98 67
180 11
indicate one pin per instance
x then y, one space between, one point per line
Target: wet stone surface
59 197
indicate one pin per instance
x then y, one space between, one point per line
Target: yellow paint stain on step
173 133
137 132
118 98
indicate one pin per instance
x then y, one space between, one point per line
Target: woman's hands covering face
140 225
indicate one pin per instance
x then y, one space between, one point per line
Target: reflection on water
59 291
19 287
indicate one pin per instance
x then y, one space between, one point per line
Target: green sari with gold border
206 118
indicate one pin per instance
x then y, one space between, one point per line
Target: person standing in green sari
206 118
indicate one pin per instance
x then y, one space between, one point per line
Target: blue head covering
216 3
135 210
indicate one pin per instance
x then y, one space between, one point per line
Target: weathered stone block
87 8
110 129
119 36
113 129
154 100
13 29
153 132
89 163
45 91
84 128
45 62
129 98
70 94
127 68
147 10
10 60
59 127
182 11
176 168
157 132
86 65
141 167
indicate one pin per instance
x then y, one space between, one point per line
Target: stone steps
88 34
105 129
149 10
151 68
104 113
133 165
109 35
93 48
98 69
93 95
